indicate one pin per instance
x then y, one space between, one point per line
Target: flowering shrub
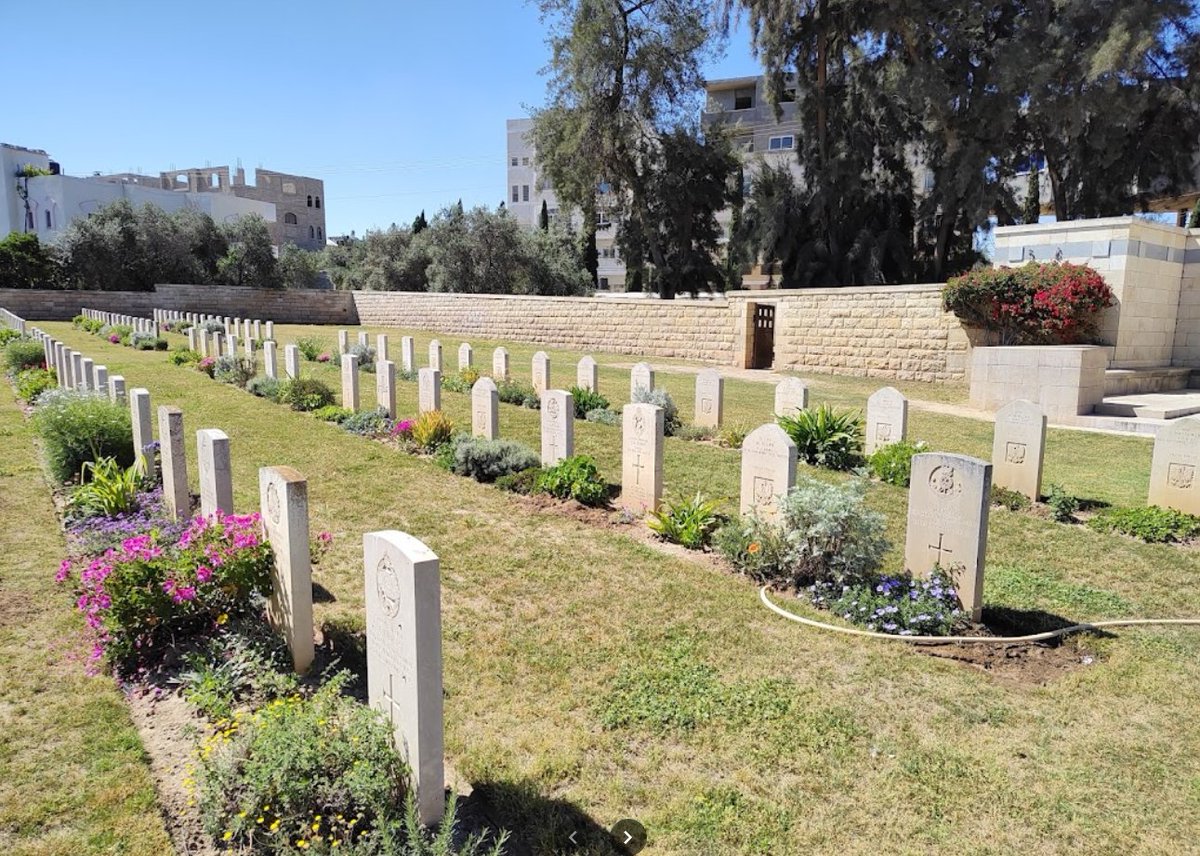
323 357
899 605
893 463
22 354
403 429
93 536
208 365
31 383
146 591
78 426
1034 304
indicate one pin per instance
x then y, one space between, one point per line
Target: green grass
73 775
588 675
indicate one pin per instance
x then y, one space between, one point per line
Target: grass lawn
590 677
73 776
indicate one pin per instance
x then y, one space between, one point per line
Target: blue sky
398 106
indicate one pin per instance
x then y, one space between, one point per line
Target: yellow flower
301 843
228 834
222 618
274 825
316 826
753 548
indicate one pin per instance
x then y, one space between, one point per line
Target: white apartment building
45 204
527 190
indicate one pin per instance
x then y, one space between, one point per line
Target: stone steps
1151 405
1123 382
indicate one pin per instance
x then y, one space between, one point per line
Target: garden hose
951 640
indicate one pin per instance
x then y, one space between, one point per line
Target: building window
514 161
743 99
49 222
289 187
524 192
516 194
310 200
311 233
317 199
290 219
320 235
776 144
602 219
604 282
524 161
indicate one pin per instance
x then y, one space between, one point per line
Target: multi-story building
527 190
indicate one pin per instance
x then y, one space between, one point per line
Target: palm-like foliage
826 437
108 488
688 522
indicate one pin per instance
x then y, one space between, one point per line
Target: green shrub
732 436
603 416
521 394
574 478
213 326
893 463
524 482
488 460
688 522
695 433
461 381
333 413
900 605
754 547
368 423
310 348
184 357
365 354
107 488
1011 499
586 401
826 437
244 664
660 398
76 427
147 342
235 370
7 334
117 333
264 387
431 430
306 394
1062 504
31 383
22 354
1152 524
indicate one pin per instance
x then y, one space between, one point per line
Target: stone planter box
1066 380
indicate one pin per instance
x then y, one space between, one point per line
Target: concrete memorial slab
948 501
558 426
216 474
429 390
710 398
385 386
500 365
350 382
587 375
1175 468
1018 448
791 394
541 372
174 462
404 656
641 457
485 409
768 470
640 375
887 418
283 503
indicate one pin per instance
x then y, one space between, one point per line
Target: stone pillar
381 347
641 375
500 365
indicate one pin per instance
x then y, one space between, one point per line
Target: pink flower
323 358
325 537
203 573
64 571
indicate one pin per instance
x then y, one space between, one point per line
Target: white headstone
768 470
587 375
1175 468
174 462
435 355
429 390
343 341
385 386
710 398
216 475
143 436
466 356
350 382
500 365
791 394
1018 448
116 389
85 372
887 418
408 354
558 426
641 457
283 497
948 499
381 347
485 409
76 374
100 379
269 364
404 656
291 361
641 375
270 331
364 340
541 372
192 339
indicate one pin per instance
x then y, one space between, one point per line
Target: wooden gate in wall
763 347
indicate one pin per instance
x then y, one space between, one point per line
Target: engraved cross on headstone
638 466
939 549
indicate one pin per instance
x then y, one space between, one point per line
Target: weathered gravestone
541 372
291 361
641 457
270 330
485 409
216 475
192 338
768 470
350 382
381 347
100 380
143 436
887 418
116 389
466 356
435 355
710 398
385 386
587 375
408 354
1175 469
174 462
283 497
363 339
404 656
641 375
429 390
343 341
85 373
270 368
558 426
500 365
791 394
1018 448
76 370
948 501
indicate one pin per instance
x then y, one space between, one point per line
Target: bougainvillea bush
152 590
1038 303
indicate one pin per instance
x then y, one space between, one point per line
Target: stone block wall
1187 326
1065 380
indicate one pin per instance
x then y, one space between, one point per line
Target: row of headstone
139 325
247 328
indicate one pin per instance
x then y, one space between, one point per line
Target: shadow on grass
320 594
537 824
1008 621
